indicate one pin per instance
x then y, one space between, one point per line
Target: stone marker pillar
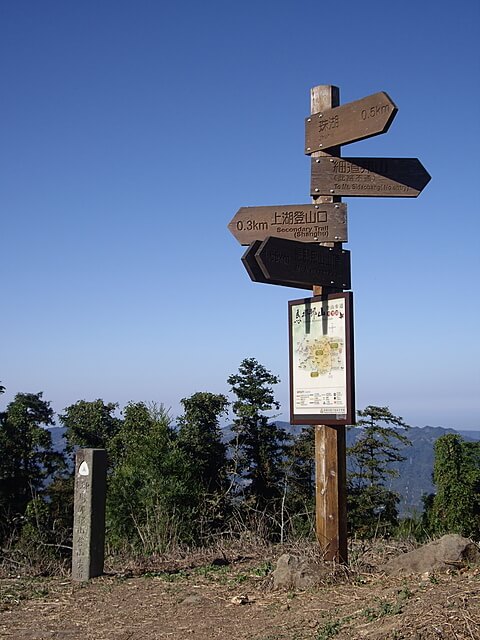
89 513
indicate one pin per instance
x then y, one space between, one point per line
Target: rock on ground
449 552
293 572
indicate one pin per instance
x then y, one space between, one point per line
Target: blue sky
130 134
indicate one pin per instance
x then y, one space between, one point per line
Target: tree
372 506
90 424
258 441
455 508
300 465
27 458
200 438
200 441
152 498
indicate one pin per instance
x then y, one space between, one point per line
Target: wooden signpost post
301 246
330 440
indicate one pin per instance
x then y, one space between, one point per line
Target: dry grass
225 593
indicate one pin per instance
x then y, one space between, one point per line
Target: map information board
321 360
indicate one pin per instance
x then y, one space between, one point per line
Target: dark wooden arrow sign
350 122
250 263
295 264
301 222
386 177
255 272
301 265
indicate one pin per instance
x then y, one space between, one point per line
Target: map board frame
329 316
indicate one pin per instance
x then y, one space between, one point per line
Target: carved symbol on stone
83 469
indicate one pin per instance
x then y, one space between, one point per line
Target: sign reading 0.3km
321 360
301 222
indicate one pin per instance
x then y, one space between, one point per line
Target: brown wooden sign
251 265
301 265
386 177
256 274
301 222
350 122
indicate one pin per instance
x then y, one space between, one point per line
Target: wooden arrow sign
250 263
301 265
350 122
295 264
301 222
255 272
386 177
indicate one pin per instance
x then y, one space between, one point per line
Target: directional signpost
301 222
254 270
301 246
298 264
350 122
386 177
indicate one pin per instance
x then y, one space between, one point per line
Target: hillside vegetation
189 483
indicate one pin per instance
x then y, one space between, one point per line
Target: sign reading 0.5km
321 360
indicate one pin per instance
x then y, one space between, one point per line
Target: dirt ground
233 599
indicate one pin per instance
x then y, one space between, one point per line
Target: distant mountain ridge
415 472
